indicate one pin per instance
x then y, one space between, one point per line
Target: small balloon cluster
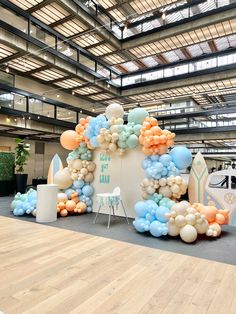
155 141
172 187
77 199
151 216
24 203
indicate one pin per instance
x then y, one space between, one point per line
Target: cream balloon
173 230
180 221
77 164
114 110
62 197
165 191
188 234
89 177
63 179
91 166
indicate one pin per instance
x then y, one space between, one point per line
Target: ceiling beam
202 20
186 53
43 68
12 57
161 59
212 45
61 21
39 6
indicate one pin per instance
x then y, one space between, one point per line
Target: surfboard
197 179
55 165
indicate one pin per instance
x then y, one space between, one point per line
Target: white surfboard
55 165
197 180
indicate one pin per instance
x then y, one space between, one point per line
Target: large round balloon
68 140
181 156
137 115
63 179
114 110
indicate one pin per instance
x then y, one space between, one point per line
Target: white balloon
188 234
62 197
191 219
173 230
77 164
114 110
165 191
162 182
180 220
202 227
175 188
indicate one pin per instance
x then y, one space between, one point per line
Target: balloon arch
159 213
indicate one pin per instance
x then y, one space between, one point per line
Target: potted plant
7 180
21 156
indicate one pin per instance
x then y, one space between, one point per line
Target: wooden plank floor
51 270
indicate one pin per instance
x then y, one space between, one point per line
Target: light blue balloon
161 213
140 209
181 156
13 204
165 159
89 209
141 224
137 129
79 184
132 141
88 190
137 115
68 192
158 228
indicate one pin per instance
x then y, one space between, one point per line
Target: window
13 19
67 50
40 34
89 63
41 108
66 115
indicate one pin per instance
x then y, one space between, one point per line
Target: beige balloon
77 164
63 179
188 234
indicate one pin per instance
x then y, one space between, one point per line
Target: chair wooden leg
126 217
95 219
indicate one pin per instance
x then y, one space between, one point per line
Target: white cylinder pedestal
46 203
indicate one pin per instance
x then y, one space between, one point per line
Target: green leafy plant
21 154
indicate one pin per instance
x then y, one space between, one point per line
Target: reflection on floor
221 249
54 270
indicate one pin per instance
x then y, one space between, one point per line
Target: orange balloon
68 140
64 213
81 207
61 205
70 205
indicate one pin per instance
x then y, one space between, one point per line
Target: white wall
38 164
125 172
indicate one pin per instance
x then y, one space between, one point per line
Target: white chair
111 200
117 193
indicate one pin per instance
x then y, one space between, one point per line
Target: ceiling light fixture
58 95
73 93
7 69
163 16
108 85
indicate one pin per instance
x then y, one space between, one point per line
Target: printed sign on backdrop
125 172
105 161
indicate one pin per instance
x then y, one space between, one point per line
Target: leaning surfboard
197 180
55 165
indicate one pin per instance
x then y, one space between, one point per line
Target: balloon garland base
164 217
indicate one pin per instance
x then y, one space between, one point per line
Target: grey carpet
222 249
